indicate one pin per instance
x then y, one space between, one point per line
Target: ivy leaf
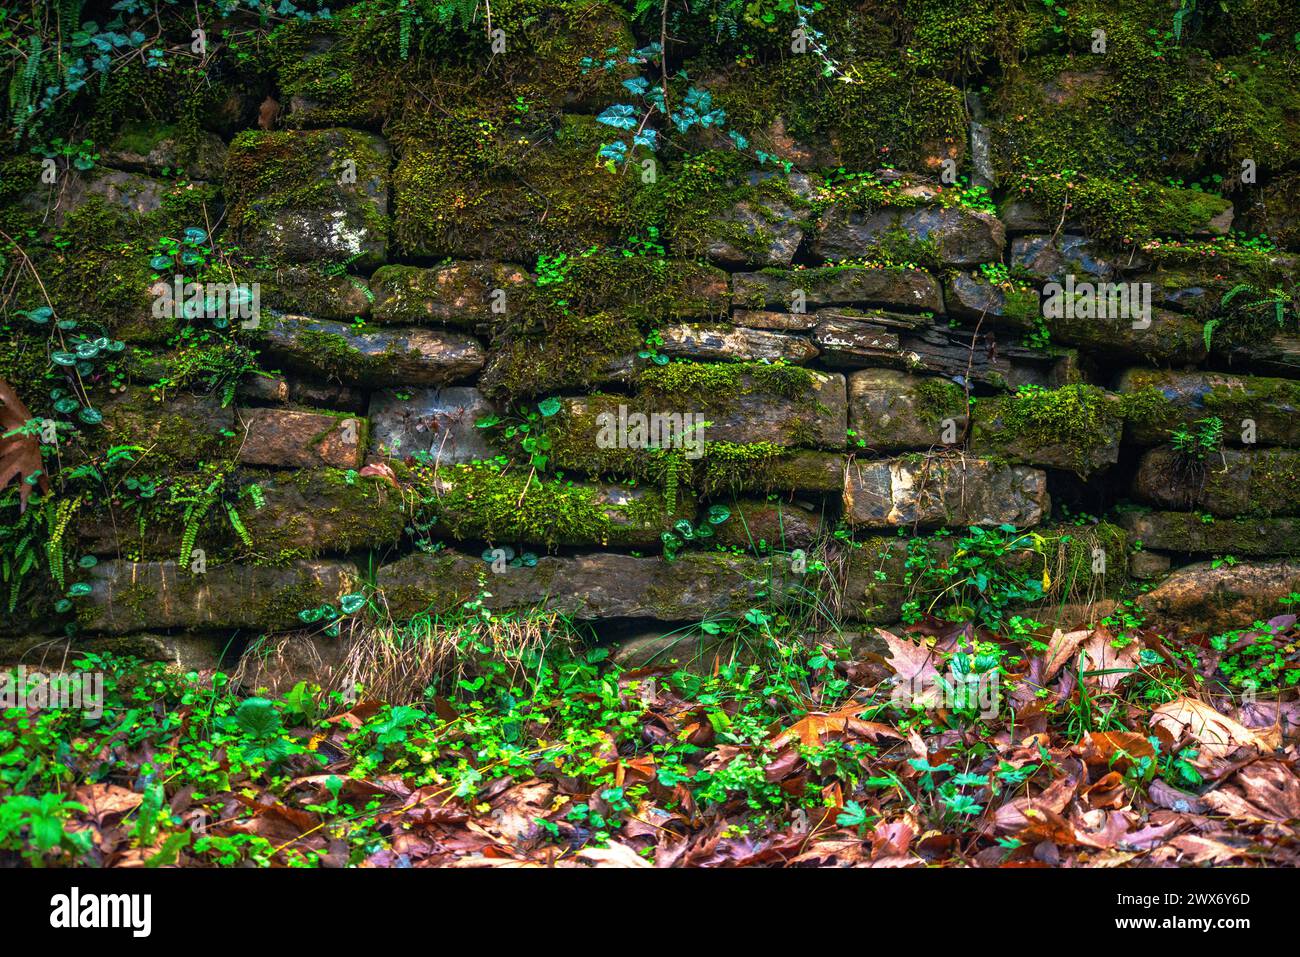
548 407
620 116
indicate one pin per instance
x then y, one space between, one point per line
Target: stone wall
868 351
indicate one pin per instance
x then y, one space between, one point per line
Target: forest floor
958 748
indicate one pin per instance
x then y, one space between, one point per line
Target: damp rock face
695 586
133 596
942 490
310 196
959 236
383 357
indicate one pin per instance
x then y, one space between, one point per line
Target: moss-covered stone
1170 400
138 596
388 356
312 196
483 502
892 411
1074 427
172 427
695 586
1199 534
1257 483
474 191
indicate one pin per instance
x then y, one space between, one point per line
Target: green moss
1275 483
470 185
889 110
704 381
1080 418
936 399
481 501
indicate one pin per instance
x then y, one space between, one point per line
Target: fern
1208 331
404 31
59 520
194 514
238 525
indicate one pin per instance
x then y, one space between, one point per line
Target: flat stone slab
479 503
749 414
909 289
310 196
439 423
949 490
136 596
184 429
715 342
461 294
695 586
285 438
383 357
767 526
1271 406
1187 532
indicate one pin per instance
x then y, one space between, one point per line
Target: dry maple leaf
914 664
1269 791
812 728
1217 735
1060 650
1109 665
20 455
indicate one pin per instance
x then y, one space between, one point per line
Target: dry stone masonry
448 274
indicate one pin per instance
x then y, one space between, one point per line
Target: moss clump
730 467
472 186
1081 418
1148 406
1275 483
481 501
703 381
889 110
936 399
